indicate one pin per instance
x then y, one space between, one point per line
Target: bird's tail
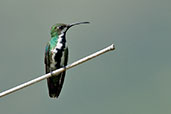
55 84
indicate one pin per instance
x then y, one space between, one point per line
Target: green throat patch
53 42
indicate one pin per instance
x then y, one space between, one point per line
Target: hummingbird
56 56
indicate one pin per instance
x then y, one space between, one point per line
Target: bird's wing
66 56
46 59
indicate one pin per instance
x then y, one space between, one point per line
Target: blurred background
133 79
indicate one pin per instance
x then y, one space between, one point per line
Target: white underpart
59 43
54 51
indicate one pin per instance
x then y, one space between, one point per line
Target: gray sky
134 79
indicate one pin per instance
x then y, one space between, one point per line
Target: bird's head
61 28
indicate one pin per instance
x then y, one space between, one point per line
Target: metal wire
9 91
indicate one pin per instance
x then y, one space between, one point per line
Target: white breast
54 51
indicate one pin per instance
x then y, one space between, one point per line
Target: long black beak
73 24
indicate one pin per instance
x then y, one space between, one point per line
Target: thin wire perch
9 91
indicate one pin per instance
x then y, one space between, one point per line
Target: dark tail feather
55 84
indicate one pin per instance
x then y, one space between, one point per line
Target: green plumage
53 42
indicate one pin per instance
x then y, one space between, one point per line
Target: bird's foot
51 72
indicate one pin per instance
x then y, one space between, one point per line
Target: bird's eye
61 27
